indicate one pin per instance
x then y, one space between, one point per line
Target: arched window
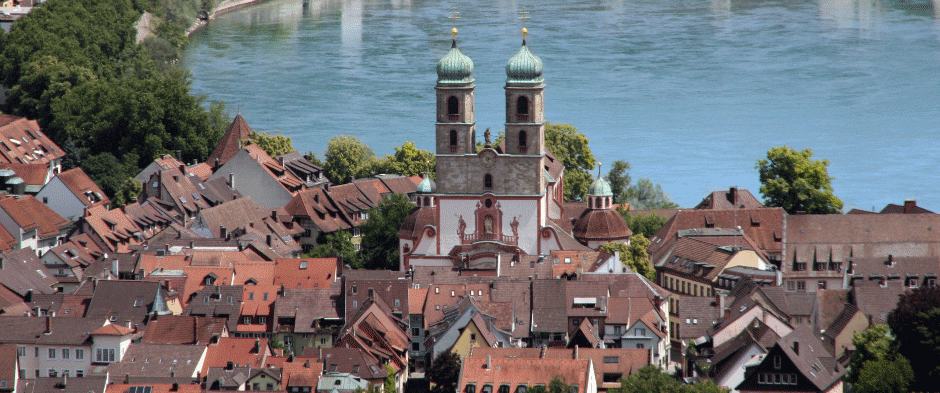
427 201
522 108
453 108
453 141
488 181
522 141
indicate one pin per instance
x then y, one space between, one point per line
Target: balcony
523 149
453 117
453 148
492 237
522 118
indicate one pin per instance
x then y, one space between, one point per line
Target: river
690 92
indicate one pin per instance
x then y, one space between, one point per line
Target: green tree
336 244
646 224
874 343
45 80
313 159
347 157
274 145
380 233
619 179
649 379
408 161
634 256
389 384
914 324
646 195
792 180
444 372
885 376
114 177
571 148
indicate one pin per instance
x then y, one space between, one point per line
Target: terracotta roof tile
306 272
24 143
230 142
734 198
527 371
183 329
241 351
84 189
601 225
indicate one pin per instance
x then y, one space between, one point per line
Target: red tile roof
601 225
230 142
112 330
22 142
240 351
84 189
29 213
525 371
183 329
306 273
734 198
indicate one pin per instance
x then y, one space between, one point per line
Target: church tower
525 95
455 124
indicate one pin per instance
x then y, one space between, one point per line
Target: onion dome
600 187
427 185
455 67
524 67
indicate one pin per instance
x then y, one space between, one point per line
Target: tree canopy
571 148
644 195
646 224
380 233
915 324
444 372
792 180
333 244
347 157
652 379
408 160
634 256
274 145
876 366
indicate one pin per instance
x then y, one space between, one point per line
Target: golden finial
524 18
453 16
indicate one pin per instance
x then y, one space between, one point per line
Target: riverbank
223 7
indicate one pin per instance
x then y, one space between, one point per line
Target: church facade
498 200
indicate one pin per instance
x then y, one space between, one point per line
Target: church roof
415 223
427 185
455 67
602 224
524 67
600 187
230 143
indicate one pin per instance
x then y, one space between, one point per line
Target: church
496 204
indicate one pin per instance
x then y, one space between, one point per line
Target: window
51 353
818 266
801 286
415 347
473 336
104 355
80 373
522 141
65 353
65 373
799 266
453 141
262 320
21 351
264 296
415 332
640 331
488 181
138 303
205 299
611 359
246 320
522 109
251 296
355 289
471 388
930 282
822 284
52 373
911 282
79 354
640 345
303 265
835 266
288 341
791 285
229 299
777 361
209 280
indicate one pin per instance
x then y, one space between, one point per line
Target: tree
649 379
874 343
336 244
274 145
791 180
347 157
444 373
407 161
914 324
619 179
389 385
885 376
634 256
114 177
380 232
571 148
646 224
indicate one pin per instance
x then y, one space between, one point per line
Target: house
743 312
838 336
375 330
185 192
763 226
251 224
465 326
734 198
184 329
23 274
301 377
308 318
26 178
32 224
636 322
341 383
219 301
93 384
798 362
726 363
9 368
127 302
161 362
153 387
357 363
240 352
571 264
493 374
266 180
70 258
307 273
690 317
58 304
71 192
909 207
820 246
24 143
362 285
54 346
257 312
111 230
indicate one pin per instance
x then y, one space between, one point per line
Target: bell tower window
488 181
453 141
453 108
522 142
522 109
427 201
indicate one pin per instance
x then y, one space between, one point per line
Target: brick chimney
257 348
796 348
733 195
574 354
48 330
909 205
489 360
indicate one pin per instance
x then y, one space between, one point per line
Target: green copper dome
428 186
524 67
455 67
600 187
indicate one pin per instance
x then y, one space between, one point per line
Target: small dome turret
427 185
455 67
600 188
524 67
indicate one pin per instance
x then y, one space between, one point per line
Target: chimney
257 348
183 169
542 352
574 354
48 325
909 205
733 195
176 387
127 379
796 348
721 304
64 383
658 301
231 180
115 269
280 160
129 324
172 374
489 360
223 232
268 240
229 365
307 364
1 263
